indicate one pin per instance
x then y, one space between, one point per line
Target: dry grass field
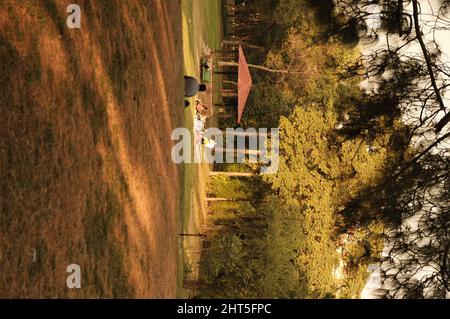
85 170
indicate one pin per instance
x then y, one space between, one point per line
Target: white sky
442 37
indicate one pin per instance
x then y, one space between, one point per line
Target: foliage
339 145
318 173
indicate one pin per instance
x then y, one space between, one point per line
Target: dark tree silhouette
416 261
411 82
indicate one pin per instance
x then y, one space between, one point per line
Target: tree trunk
232 174
244 45
429 65
259 67
221 199
238 151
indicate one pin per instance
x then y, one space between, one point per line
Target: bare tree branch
426 54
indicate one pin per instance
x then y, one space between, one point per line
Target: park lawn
86 175
202 24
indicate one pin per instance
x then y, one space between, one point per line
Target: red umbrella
244 83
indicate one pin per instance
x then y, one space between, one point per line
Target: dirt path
85 170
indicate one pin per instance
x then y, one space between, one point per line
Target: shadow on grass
100 242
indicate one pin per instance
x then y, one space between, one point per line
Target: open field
202 23
85 170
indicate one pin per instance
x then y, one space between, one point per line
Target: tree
410 74
416 256
401 26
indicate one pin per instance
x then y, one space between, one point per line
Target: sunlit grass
201 24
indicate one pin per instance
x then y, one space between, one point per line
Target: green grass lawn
202 23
